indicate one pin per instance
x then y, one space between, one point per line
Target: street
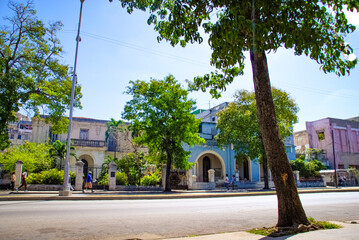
156 219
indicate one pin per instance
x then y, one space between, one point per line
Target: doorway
206 167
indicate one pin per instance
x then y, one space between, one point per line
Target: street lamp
66 187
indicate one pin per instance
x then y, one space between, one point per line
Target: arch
89 163
215 159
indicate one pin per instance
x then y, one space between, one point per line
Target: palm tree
113 127
58 151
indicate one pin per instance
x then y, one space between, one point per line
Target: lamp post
66 187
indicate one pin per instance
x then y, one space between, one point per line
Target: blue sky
117 47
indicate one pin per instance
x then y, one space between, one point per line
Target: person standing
12 181
23 181
88 182
226 182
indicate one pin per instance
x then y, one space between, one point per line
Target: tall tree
238 124
314 28
161 111
31 74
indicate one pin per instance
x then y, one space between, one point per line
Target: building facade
20 130
88 138
339 140
222 160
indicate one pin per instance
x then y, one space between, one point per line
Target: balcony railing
88 143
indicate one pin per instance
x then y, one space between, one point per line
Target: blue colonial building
222 160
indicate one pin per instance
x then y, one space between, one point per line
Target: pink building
338 138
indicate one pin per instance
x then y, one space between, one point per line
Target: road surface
156 219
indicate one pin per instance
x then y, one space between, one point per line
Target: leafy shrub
150 180
307 168
35 178
52 176
104 179
121 178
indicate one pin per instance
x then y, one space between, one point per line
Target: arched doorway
209 160
88 165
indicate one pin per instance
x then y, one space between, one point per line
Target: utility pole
66 187
335 164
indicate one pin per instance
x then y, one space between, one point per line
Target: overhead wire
191 61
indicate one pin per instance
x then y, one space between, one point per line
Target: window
340 166
19 136
321 135
84 134
200 128
12 136
288 149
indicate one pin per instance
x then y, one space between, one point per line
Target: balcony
88 143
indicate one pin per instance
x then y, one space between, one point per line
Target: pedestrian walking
88 184
12 181
23 181
233 181
226 182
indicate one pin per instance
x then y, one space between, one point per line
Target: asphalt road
156 219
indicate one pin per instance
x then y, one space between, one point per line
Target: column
18 171
79 172
211 175
189 179
112 169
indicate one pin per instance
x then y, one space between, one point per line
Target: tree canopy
238 123
35 157
161 111
31 73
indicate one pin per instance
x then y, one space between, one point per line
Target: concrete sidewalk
350 231
127 195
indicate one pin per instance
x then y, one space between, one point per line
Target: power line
319 91
142 49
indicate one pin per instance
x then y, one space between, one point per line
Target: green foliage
58 152
31 70
238 123
317 30
307 168
151 180
324 224
133 166
313 153
52 176
161 111
103 179
35 157
121 178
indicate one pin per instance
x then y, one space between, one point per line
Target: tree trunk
168 172
290 209
265 172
